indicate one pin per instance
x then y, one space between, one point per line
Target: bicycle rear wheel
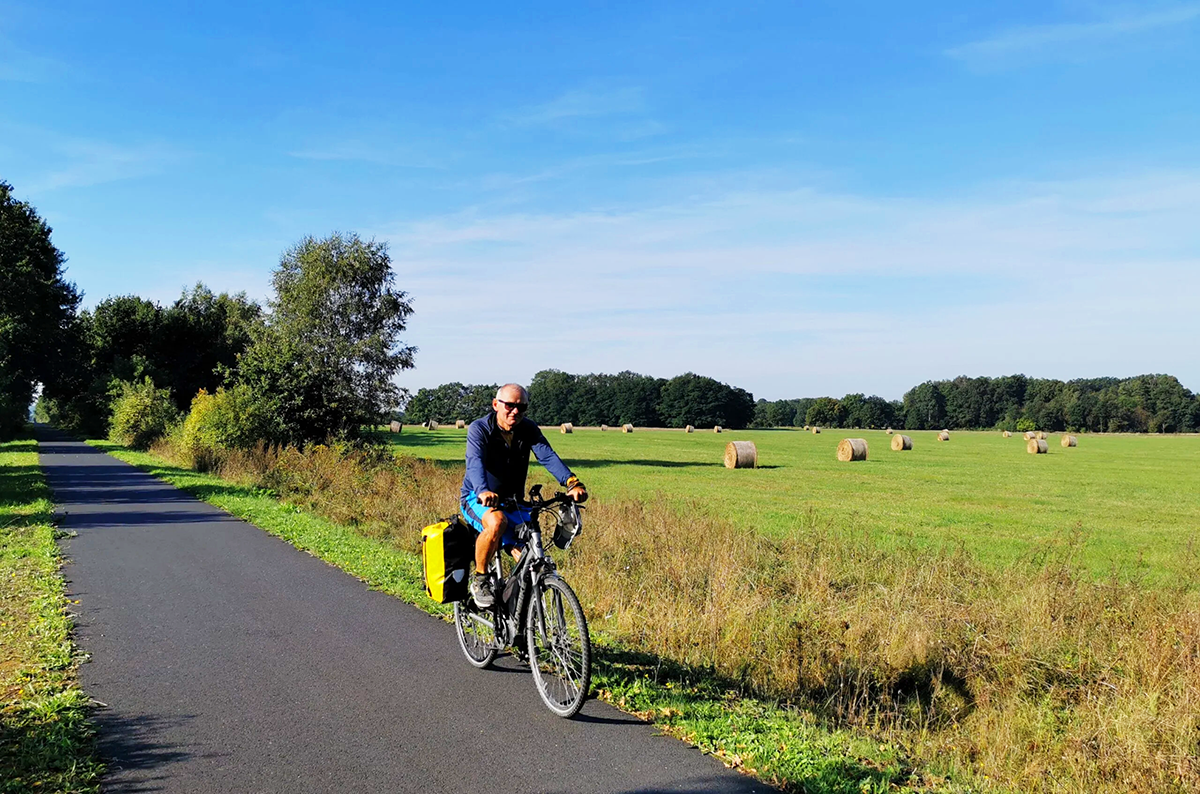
476 633
560 649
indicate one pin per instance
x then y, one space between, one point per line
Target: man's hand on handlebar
578 493
488 498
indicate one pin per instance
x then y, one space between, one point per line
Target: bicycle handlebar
537 504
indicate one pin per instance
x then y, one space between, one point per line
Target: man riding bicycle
498 447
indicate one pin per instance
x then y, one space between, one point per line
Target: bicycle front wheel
560 650
476 633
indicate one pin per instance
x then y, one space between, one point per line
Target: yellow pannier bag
447 549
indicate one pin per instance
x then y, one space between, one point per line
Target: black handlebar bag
447 549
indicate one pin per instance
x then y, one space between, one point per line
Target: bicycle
552 624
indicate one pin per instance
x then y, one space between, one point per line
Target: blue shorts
473 512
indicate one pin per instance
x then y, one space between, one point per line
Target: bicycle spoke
559 646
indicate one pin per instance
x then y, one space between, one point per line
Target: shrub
217 423
1025 424
141 414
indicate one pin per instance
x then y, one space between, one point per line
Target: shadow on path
133 745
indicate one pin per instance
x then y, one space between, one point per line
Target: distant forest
1142 404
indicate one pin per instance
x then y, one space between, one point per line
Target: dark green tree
449 402
551 397
202 335
777 413
924 407
824 412
854 410
37 307
691 399
635 399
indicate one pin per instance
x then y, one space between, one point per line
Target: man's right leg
494 524
482 585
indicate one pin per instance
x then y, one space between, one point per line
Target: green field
1131 501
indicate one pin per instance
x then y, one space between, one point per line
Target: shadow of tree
137 759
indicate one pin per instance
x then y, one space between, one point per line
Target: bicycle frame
534 565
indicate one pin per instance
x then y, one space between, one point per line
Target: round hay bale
1006 434
433 425
689 429
901 442
1070 441
944 435
816 430
395 427
889 431
852 449
1042 435
806 427
459 424
566 428
603 427
741 455
1030 434
627 428
1037 446
716 428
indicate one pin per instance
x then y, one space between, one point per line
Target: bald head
512 400
513 393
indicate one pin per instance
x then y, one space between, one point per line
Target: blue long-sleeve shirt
500 467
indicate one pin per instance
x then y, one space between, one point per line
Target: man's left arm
546 456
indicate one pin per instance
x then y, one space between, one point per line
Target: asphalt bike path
229 661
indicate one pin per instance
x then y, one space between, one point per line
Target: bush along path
786 747
46 742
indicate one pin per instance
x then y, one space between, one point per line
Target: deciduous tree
37 305
324 360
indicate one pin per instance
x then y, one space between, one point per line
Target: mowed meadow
1130 504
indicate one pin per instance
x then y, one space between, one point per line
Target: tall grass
1032 677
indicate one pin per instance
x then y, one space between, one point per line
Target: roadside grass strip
46 742
786 747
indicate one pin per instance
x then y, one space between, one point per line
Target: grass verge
46 744
785 746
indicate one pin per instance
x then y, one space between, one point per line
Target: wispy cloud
580 103
21 66
1068 39
70 162
356 150
632 159
1053 278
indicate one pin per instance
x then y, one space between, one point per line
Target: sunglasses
518 407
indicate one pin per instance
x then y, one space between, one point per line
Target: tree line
1142 404
319 360
556 397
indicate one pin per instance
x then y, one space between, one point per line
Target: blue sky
797 198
